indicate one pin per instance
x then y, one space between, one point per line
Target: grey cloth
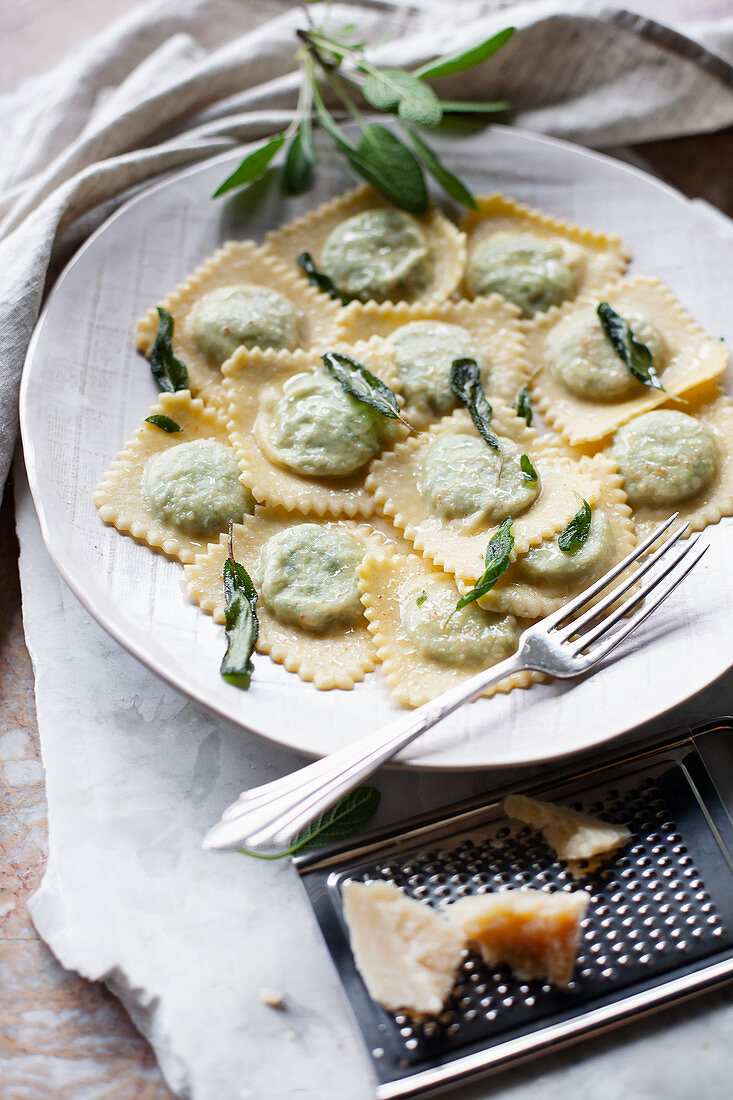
176 81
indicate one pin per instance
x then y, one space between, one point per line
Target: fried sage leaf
635 355
319 279
528 471
498 559
240 622
347 818
575 535
170 373
465 384
421 598
165 423
523 405
363 385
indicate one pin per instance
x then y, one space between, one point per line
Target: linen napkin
135 772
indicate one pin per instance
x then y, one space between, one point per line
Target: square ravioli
408 602
176 490
241 296
546 577
426 340
443 489
303 443
672 460
309 613
373 252
532 259
583 388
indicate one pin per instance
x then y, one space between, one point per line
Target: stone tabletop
59 1035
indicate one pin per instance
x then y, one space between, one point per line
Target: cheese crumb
272 998
573 835
535 932
406 952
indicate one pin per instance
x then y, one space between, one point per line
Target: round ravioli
243 316
461 476
195 487
378 254
424 354
582 358
307 576
467 637
532 272
317 428
664 457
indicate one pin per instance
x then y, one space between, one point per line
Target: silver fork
266 819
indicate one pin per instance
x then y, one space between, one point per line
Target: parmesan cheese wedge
535 932
572 834
406 952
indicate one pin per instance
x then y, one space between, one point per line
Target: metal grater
659 925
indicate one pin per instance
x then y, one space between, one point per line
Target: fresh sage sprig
528 471
635 355
357 380
465 384
165 423
575 535
523 405
339 61
170 373
347 818
320 280
498 559
240 621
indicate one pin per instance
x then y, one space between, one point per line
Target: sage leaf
421 598
170 373
635 355
253 166
300 160
528 471
575 535
240 622
165 423
357 380
465 384
465 59
450 183
523 405
400 91
386 162
347 818
498 559
319 279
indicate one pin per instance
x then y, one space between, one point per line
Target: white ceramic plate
85 391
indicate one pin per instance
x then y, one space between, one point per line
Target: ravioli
687 357
434 269
191 508
415 665
533 259
428 339
336 654
241 296
458 544
297 450
661 471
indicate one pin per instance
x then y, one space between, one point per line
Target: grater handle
267 819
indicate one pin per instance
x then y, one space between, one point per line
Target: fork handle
267 819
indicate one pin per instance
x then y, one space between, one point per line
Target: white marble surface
187 939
